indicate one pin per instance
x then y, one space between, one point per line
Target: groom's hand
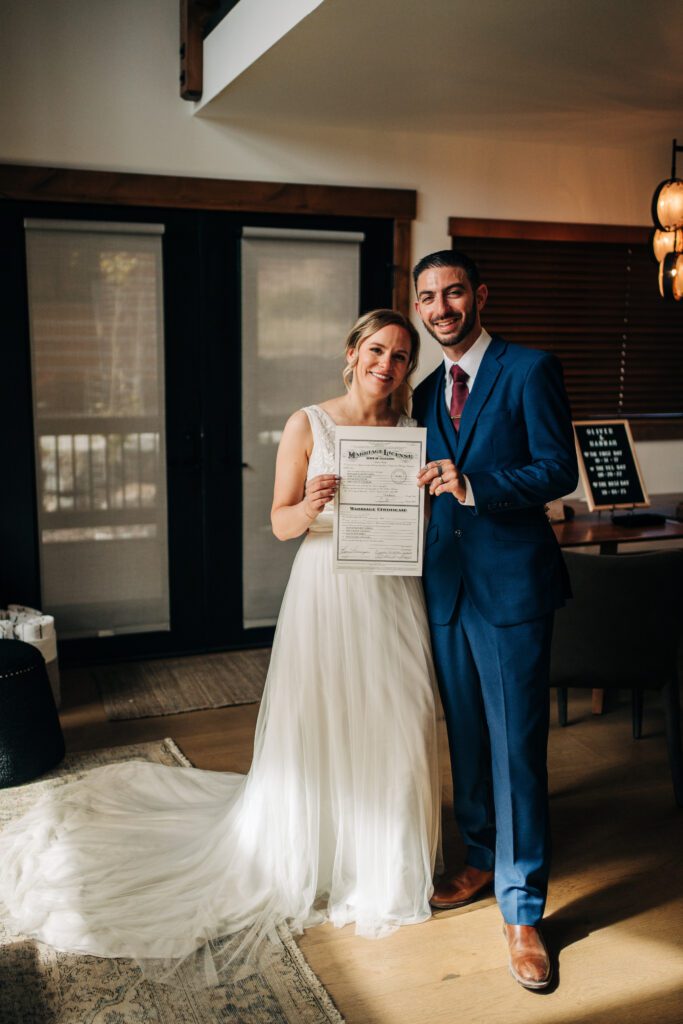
443 477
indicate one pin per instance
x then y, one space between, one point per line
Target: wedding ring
439 469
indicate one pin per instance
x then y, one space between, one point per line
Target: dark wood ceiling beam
64 185
193 17
112 187
546 231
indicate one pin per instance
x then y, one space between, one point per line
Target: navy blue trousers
495 692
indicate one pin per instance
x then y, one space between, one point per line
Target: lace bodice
322 425
322 455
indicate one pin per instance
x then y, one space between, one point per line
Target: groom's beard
465 328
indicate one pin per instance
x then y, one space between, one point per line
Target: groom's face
448 307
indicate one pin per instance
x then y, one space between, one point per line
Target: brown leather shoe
529 960
461 889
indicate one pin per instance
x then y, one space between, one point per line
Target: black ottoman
31 740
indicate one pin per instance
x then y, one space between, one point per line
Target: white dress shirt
470 363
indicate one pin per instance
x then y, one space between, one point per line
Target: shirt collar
471 361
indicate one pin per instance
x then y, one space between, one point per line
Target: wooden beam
51 184
402 268
193 16
657 429
546 231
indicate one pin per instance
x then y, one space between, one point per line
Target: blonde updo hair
369 324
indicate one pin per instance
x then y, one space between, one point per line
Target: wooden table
587 528
594 528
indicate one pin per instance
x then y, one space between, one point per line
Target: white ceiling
608 70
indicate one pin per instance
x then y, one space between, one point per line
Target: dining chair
622 630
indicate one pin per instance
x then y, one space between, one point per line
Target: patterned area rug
41 986
145 689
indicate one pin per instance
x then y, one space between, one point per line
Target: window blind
97 337
589 294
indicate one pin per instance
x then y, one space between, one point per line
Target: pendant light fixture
667 238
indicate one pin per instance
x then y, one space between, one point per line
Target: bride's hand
319 490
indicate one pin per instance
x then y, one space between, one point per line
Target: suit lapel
487 374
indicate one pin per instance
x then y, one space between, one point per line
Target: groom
500 445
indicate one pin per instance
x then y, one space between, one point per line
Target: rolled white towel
20 622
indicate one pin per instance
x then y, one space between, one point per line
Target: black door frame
222 427
20 579
203 436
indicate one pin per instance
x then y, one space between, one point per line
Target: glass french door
300 295
97 355
149 355
102 522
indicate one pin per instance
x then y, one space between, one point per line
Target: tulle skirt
338 818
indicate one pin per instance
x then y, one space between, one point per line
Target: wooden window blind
589 294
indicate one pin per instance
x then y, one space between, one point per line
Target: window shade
300 296
594 303
97 336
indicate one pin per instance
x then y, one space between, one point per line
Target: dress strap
322 425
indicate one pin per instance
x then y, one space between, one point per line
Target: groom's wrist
467 492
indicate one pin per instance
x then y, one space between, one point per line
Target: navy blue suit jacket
516 445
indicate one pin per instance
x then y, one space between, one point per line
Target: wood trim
65 185
657 429
402 253
546 231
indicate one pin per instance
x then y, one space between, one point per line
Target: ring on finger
439 469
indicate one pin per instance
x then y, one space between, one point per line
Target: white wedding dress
338 818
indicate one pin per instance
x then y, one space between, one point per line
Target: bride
338 818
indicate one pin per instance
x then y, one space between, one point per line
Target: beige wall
94 85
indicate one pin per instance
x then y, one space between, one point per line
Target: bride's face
383 361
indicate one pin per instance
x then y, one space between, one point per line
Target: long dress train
338 817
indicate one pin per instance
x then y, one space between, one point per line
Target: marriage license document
379 509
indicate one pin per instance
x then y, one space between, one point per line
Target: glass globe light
664 242
667 204
677 287
671 276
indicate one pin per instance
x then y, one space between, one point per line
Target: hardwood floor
615 912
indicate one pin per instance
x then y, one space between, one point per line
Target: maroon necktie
460 393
